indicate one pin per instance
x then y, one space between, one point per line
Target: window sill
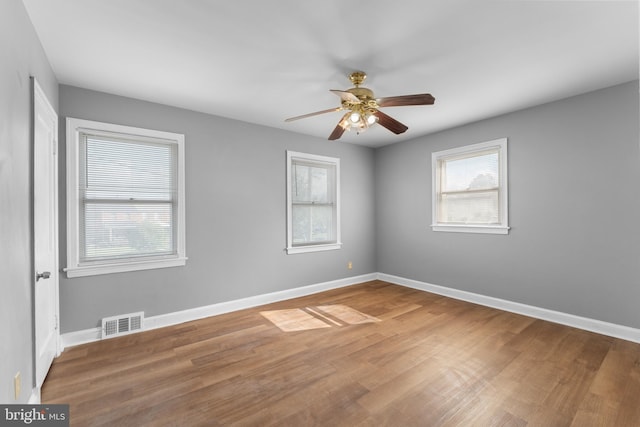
313 248
95 269
462 228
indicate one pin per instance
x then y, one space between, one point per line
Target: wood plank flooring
427 360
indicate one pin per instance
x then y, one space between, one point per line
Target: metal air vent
122 324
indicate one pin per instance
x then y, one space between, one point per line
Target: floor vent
122 325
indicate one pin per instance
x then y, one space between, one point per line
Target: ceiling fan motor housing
362 93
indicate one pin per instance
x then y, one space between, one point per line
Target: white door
45 207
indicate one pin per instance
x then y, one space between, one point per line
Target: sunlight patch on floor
322 316
347 314
294 320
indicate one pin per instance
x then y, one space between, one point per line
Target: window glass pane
310 183
319 185
128 199
312 224
470 208
117 230
471 173
300 183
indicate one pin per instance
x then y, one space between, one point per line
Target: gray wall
236 215
574 175
21 56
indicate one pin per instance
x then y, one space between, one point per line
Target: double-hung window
125 198
313 203
470 188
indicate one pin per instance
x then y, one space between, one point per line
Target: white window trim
503 193
75 127
291 249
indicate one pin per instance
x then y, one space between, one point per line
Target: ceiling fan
363 108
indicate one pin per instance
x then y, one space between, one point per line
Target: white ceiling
263 61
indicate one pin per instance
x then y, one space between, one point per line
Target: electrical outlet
17 385
349 265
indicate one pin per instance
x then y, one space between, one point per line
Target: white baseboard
618 331
34 399
70 339
597 326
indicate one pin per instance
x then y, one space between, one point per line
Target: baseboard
597 326
34 399
70 339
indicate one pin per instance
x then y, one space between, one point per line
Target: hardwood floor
419 360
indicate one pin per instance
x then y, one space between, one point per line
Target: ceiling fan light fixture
345 123
362 108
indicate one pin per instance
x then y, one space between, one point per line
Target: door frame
41 104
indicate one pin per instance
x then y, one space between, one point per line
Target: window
470 188
125 198
313 203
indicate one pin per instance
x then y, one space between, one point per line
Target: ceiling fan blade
390 123
339 129
304 116
399 101
346 96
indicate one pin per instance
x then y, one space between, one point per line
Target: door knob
43 275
